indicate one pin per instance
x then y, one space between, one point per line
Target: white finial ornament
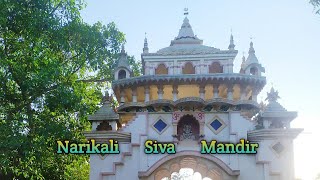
122 49
272 95
186 12
145 45
231 45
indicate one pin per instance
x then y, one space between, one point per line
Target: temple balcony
226 86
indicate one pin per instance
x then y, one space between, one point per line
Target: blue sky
286 37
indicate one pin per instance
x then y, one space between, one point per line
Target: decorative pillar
197 67
134 94
230 92
146 93
231 68
254 94
224 68
243 92
170 68
160 91
215 91
114 125
201 133
287 124
175 131
202 91
95 125
266 124
179 68
122 99
151 69
175 92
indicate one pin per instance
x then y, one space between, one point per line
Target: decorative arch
161 69
188 68
188 128
215 67
122 74
253 70
104 126
207 165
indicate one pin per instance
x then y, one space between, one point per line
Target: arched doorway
189 165
188 128
186 174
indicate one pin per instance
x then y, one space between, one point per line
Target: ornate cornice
181 79
264 134
104 136
199 51
188 101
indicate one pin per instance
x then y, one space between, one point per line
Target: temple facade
189 92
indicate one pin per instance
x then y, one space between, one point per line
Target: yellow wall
188 91
167 92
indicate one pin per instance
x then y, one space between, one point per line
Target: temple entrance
186 174
188 128
189 165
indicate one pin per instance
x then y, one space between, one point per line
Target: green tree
53 67
316 4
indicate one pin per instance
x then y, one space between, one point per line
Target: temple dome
187 43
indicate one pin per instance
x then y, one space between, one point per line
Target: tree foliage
316 4
50 63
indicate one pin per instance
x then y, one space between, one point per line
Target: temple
190 92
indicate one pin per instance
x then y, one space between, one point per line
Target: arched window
215 67
188 68
122 74
188 128
104 126
162 69
253 71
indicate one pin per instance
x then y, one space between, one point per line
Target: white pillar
215 90
175 92
254 94
160 91
170 70
242 92
230 92
95 125
113 124
146 93
202 91
134 94
122 99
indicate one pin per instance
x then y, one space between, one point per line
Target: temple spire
186 12
243 61
272 96
251 49
252 56
122 49
123 61
231 45
106 98
145 45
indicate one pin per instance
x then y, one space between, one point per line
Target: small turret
145 45
274 115
242 64
105 119
123 69
231 45
251 65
